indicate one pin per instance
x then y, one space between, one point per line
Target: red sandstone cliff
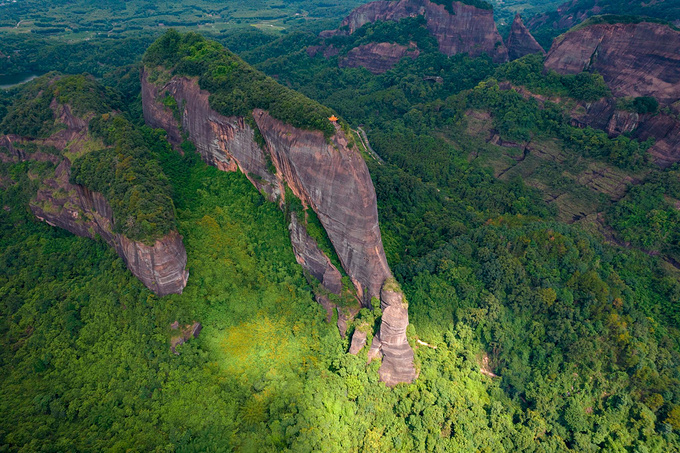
520 42
160 267
377 57
634 59
326 175
469 30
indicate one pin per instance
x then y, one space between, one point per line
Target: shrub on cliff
236 88
130 180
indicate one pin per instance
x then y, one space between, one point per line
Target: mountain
572 13
91 189
640 63
285 144
459 27
520 42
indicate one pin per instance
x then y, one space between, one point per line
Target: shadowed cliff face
377 57
160 267
469 30
520 42
634 59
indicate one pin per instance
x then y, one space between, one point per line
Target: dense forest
543 308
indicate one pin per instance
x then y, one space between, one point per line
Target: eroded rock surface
520 42
634 59
377 57
469 30
391 343
325 174
160 266
185 334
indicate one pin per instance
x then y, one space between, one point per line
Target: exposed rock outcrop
327 176
161 266
520 42
324 173
391 343
640 59
310 257
185 334
468 30
662 127
377 57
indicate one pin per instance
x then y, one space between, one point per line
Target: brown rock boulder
634 59
520 42
391 343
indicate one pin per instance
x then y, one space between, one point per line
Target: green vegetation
528 71
448 4
404 32
534 335
129 178
236 88
648 216
31 116
622 19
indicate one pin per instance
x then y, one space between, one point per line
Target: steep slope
458 27
574 12
377 57
157 258
315 164
635 59
520 42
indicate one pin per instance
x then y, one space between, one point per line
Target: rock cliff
327 175
468 30
640 59
161 266
390 343
520 42
377 57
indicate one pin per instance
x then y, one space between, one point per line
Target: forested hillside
539 256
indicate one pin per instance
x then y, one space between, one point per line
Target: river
10 81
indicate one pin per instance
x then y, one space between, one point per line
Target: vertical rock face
469 30
327 176
377 57
520 42
640 59
310 257
391 342
161 266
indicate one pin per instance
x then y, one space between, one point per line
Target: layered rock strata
161 267
377 57
468 30
520 42
325 174
634 59
391 343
